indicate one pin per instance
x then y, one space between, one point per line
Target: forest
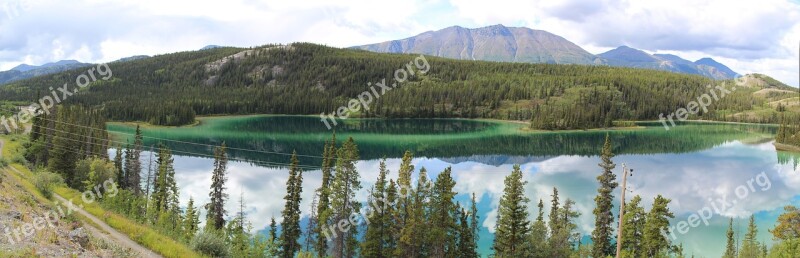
414 216
304 78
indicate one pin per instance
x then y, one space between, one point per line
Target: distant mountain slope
25 71
517 44
493 43
630 57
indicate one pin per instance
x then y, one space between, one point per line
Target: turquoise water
693 164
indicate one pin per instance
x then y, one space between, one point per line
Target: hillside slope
311 79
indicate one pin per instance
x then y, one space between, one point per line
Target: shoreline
786 147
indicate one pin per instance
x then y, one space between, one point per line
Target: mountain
25 71
132 58
309 79
492 43
630 57
518 44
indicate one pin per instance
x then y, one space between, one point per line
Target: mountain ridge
500 43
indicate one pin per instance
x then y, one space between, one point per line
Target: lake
694 164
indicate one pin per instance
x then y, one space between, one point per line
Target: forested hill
306 78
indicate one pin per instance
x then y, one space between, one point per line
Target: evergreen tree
273 238
135 169
512 228
633 229
443 230
473 222
191 220
324 212
730 247
406 244
118 166
290 225
538 242
343 189
216 207
604 218
377 230
165 190
750 245
655 242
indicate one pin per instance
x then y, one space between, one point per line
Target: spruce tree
290 225
216 207
538 243
442 233
324 212
730 247
373 245
135 169
191 220
750 246
655 242
604 218
343 189
633 230
512 228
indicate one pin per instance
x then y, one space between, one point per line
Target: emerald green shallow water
689 164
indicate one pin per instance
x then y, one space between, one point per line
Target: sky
748 36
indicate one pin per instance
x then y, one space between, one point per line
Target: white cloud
748 37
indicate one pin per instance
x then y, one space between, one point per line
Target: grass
142 234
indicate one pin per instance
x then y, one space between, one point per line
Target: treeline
789 131
311 79
786 235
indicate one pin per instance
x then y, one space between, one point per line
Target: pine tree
290 225
135 169
273 238
655 242
473 223
604 218
633 230
377 230
557 238
343 189
216 207
405 204
165 190
750 245
730 248
191 220
538 241
443 229
512 228
324 212
118 166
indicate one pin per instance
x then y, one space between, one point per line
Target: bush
209 244
45 182
3 162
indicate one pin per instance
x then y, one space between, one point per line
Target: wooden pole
622 208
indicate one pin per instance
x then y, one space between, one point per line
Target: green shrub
210 244
3 162
45 182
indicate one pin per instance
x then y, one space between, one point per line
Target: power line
185 142
266 163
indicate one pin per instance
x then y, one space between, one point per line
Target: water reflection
690 164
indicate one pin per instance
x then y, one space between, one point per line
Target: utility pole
624 189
